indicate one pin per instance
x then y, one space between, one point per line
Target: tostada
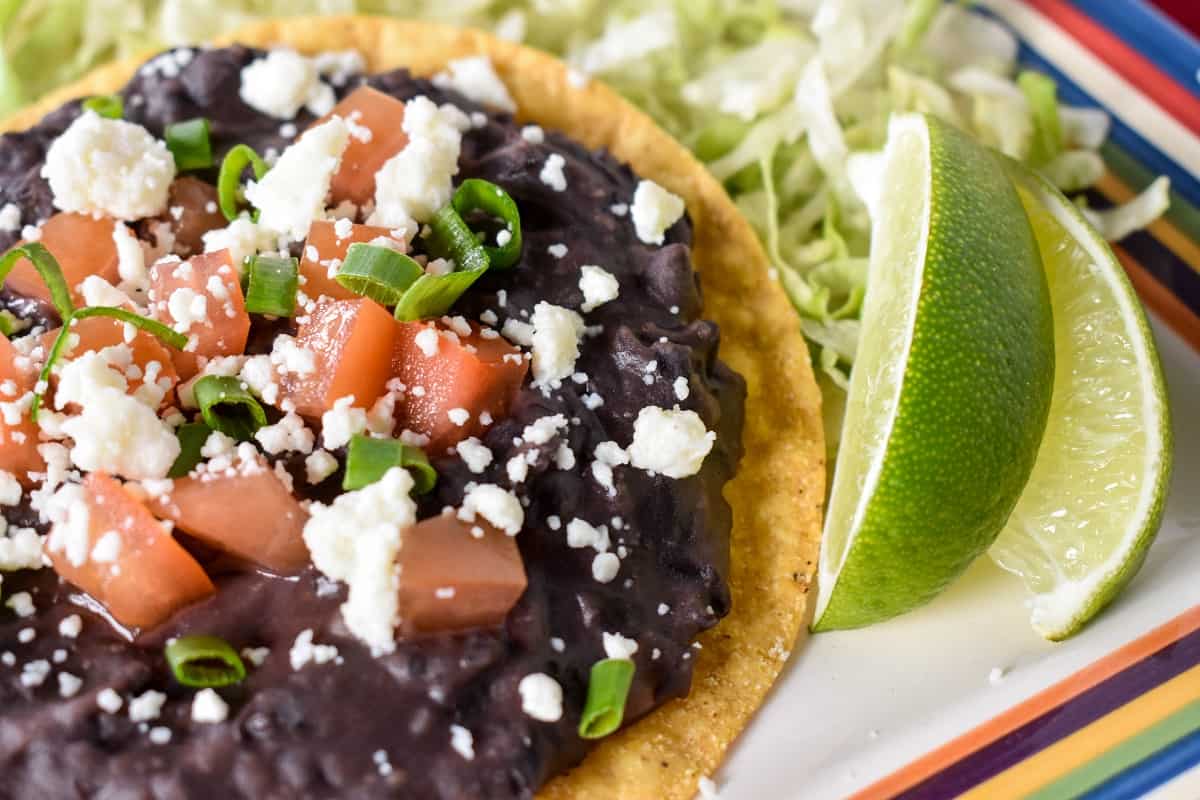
386 413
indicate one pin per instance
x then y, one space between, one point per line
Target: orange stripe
934 762
1162 229
1161 300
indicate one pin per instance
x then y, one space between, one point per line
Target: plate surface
962 696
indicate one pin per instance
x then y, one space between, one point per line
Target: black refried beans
315 732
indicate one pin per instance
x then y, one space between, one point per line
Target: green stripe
1124 755
1182 214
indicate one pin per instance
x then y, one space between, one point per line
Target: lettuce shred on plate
782 99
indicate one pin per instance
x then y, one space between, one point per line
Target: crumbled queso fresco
413 531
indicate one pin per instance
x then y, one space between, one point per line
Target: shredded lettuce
785 101
1041 94
1120 221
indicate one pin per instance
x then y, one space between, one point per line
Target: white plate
852 707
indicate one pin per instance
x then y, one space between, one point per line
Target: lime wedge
1094 502
951 383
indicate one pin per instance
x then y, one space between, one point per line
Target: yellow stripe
1162 229
1088 742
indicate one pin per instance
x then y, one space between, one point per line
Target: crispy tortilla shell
778 494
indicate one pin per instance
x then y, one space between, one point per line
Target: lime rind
952 380
1095 500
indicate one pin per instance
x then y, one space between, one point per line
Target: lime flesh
951 384
1094 502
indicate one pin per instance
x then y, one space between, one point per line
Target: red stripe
1160 87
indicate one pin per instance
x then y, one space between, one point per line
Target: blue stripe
1151 772
1121 134
1147 30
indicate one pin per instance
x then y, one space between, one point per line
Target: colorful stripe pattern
1128 720
1128 726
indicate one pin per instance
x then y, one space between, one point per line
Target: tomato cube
376 135
19 441
249 514
452 579
154 360
83 245
177 288
352 341
324 244
128 562
474 373
192 211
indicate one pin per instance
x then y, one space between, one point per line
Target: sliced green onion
367 459
43 381
229 179
379 273
189 142
227 407
608 689
433 295
9 323
47 267
192 436
271 287
451 237
1041 92
106 105
168 336
204 662
475 194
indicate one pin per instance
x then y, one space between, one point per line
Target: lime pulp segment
1094 501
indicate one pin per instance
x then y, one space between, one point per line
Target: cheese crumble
555 342
416 182
475 79
356 540
109 166
475 454
293 193
499 507
598 285
669 442
114 432
283 82
209 708
462 742
654 210
541 697
552 172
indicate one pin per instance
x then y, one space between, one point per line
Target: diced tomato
245 511
451 579
142 578
226 326
353 341
382 115
82 245
192 211
18 443
473 373
323 238
97 333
